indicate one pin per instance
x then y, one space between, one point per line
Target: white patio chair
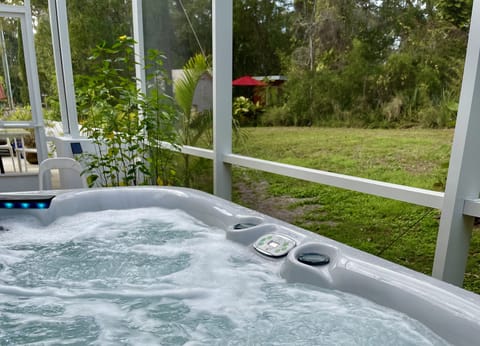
75 179
8 147
21 150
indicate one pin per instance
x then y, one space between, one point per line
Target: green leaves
126 126
390 63
245 111
184 90
457 12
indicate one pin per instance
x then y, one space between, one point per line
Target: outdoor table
12 133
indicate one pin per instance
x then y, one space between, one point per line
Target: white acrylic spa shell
449 311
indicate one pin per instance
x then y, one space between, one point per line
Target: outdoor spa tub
175 266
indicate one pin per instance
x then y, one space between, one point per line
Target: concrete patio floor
9 168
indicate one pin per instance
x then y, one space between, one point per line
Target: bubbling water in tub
160 277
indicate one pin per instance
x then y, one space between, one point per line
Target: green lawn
414 157
397 231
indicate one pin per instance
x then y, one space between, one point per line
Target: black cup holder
244 225
313 259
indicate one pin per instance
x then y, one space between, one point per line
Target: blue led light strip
22 201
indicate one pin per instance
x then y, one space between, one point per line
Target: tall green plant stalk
159 117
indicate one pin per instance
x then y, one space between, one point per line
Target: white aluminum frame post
222 17
463 182
63 66
24 13
33 83
137 8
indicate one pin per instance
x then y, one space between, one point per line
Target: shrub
126 126
277 116
245 111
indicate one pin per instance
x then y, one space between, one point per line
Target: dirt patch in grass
254 195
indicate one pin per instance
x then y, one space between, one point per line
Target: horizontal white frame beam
471 207
423 197
200 152
186 149
17 124
13 10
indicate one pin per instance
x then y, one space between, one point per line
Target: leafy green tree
457 12
324 30
373 62
261 33
92 21
192 22
156 19
45 57
261 36
14 59
358 62
426 65
89 22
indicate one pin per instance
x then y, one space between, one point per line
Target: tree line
371 63
348 62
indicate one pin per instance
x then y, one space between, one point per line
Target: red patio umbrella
247 81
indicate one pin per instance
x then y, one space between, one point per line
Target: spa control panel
274 245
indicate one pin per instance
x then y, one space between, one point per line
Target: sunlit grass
414 157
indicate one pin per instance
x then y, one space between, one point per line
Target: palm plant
193 124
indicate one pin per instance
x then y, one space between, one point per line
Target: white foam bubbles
157 276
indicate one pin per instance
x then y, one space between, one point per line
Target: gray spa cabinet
302 256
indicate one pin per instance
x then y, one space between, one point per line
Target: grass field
397 231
